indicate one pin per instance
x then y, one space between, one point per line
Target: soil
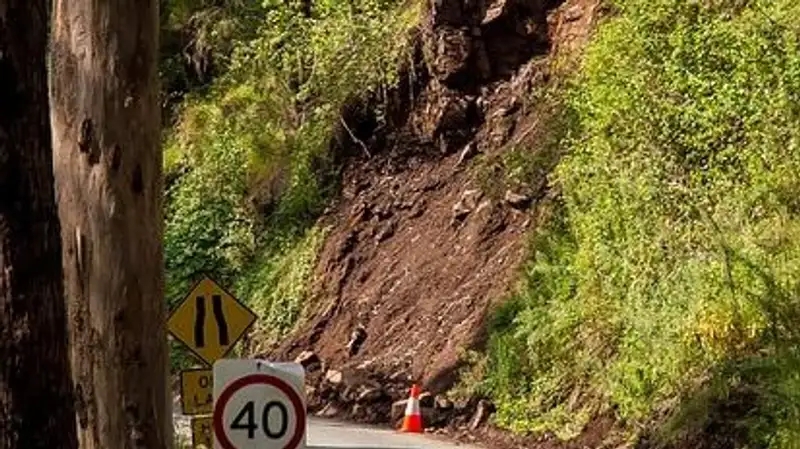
419 252
599 434
418 281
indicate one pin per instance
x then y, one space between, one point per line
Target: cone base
412 424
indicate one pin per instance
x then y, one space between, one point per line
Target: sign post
209 321
258 404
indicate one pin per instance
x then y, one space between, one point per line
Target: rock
329 411
573 14
442 403
334 377
310 391
514 104
417 210
471 197
481 103
404 204
398 410
357 338
487 204
430 185
365 365
447 113
482 412
359 212
309 360
494 11
399 376
384 212
370 396
467 153
347 245
467 203
426 399
460 211
348 394
449 52
432 417
517 200
385 231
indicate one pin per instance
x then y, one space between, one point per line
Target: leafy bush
670 270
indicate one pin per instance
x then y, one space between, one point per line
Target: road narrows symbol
222 325
199 322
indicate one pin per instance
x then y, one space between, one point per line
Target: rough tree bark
106 126
36 409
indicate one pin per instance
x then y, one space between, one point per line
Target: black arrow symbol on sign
222 326
200 320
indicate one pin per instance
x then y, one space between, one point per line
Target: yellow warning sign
197 388
210 321
202 437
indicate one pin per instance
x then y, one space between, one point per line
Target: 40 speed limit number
258 405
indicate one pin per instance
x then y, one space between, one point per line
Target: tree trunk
106 126
36 409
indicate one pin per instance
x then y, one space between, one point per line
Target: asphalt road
327 434
324 434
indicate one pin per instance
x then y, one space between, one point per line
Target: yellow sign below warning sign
197 389
210 321
202 436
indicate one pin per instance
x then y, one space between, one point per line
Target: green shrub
670 272
278 284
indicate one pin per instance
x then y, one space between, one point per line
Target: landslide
422 241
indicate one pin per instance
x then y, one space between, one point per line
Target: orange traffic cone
412 422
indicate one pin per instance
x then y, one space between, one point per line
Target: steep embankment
659 300
662 293
425 236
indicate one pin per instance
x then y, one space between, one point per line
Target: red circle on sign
253 379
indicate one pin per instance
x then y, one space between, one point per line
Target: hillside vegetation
663 287
247 158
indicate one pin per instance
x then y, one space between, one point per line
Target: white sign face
259 405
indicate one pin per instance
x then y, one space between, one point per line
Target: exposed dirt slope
417 252
416 279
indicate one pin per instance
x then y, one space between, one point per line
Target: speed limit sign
258 404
